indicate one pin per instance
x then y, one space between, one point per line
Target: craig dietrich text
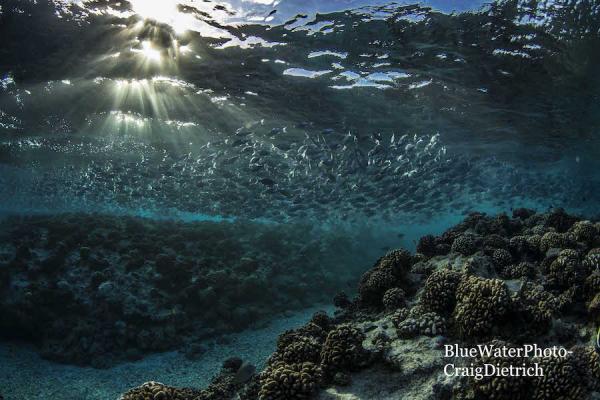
503 353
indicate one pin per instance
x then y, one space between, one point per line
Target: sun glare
158 10
148 51
165 12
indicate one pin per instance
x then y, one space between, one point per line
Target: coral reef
502 258
231 378
503 281
564 378
481 304
464 244
158 391
301 349
282 381
394 298
97 289
592 260
439 291
305 359
501 387
417 322
343 349
517 271
427 246
389 272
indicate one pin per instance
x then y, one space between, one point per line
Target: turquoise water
348 110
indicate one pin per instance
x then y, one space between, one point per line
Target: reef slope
498 280
98 289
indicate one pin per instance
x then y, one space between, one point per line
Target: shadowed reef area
96 289
504 281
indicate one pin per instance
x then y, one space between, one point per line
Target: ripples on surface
287 110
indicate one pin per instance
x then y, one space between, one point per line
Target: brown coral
533 308
592 260
562 379
158 391
495 241
464 244
584 231
520 270
300 350
394 298
321 319
386 274
439 291
501 387
554 240
427 246
502 258
283 381
310 330
481 303
418 322
566 269
560 220
525 246
343 349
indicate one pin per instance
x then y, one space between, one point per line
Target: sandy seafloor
24 375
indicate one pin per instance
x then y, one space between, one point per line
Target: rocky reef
98 289
496 280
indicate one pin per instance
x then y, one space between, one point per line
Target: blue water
299 110
375 121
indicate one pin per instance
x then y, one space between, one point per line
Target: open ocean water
174 174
